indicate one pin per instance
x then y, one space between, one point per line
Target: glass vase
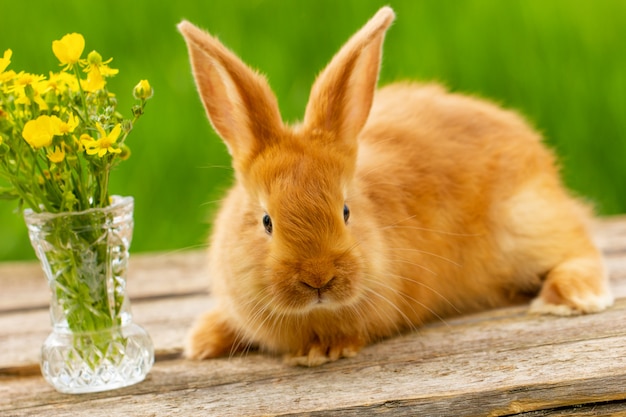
94 344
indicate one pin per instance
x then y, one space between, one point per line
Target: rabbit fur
382 210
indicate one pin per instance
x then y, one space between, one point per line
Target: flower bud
29 91
137 110
94 58
127 126
125 154
51 98
143 90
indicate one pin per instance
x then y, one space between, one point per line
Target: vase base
60 384
102 361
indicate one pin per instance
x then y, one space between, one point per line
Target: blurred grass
560 62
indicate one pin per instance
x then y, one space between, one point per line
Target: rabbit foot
319 354
577 286
211 337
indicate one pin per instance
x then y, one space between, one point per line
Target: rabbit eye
267 223
346 213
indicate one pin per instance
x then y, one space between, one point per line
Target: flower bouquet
60 137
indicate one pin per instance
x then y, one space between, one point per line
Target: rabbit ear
239 102
342 94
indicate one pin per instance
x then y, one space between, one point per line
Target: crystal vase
94 344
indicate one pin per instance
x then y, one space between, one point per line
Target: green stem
80 88
51 185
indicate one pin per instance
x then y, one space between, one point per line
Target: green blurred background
560 62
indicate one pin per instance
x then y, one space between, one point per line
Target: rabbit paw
320 354
577 286
210 337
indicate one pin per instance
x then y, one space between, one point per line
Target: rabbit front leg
213 336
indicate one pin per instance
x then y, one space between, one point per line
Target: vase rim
116 202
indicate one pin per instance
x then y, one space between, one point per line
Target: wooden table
501 362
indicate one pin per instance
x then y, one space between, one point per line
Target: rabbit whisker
408 298
167 253
414 264
361 311
208 203
428 287
378 294
258 310
225 167
425 229
429 253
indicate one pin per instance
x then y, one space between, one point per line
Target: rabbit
382 210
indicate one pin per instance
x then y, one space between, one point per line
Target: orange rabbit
383 210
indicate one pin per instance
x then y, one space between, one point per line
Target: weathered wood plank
612 408
402 374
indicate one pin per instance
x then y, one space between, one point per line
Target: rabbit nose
317 282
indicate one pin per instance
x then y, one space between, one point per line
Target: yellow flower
39 132
79 142
19 88
57 156
94 81
22 80
94 60
60 82
5 78
105 142
143 90
5 60
89 143
63 128
69 49
96 70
